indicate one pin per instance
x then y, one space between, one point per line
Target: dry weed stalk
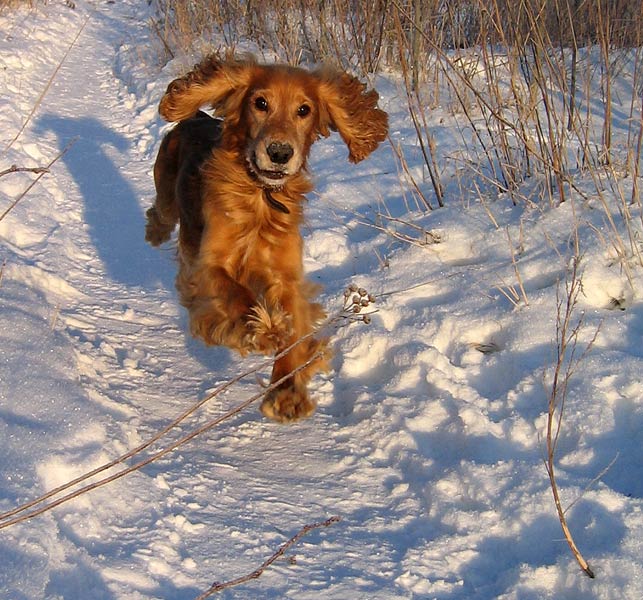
22 509
566 362
352 34
218 587
40 98
387 224
514 264
417 112
416 190
636 196
604 42
17 169
348 314
40 170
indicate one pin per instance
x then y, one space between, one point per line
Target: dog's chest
256 236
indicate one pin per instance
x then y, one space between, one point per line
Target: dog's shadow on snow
112 211
115 216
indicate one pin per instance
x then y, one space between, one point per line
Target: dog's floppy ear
211 82
349 108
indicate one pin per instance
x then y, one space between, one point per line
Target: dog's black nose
279 152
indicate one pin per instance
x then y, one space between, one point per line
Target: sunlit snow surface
428 439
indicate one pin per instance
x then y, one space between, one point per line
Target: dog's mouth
272 175
268 177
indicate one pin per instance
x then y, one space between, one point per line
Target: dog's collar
274 203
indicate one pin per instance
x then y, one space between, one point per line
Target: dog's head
274 113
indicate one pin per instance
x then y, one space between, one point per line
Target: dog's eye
261 104
303 110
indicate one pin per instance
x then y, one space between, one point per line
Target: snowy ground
428 449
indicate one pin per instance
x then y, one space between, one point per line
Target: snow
429 437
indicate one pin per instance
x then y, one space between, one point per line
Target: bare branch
41 172
142 463
17 169
48 85
346 315
217 587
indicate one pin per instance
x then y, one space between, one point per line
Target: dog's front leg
217 306
290 400
224 312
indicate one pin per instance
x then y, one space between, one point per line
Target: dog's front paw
288 404
268 329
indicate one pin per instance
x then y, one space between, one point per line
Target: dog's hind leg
164 215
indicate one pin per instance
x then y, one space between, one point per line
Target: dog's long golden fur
236 185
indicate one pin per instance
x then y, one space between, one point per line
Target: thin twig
122 458
425 237
42 172
217 587
152 458
17 169
51 80
23 508
594 480
567 339
435 280
515 267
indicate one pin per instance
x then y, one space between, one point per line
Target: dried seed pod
347 293
366 319
356 299
352 287
371 298
362 292
364 302
356 308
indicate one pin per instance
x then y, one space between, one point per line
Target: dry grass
521 81
569 356
12 4
531 88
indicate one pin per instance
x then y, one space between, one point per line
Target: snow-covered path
428 438
110 314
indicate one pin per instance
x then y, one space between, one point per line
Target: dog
235 183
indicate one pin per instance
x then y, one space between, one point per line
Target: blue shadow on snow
112 212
